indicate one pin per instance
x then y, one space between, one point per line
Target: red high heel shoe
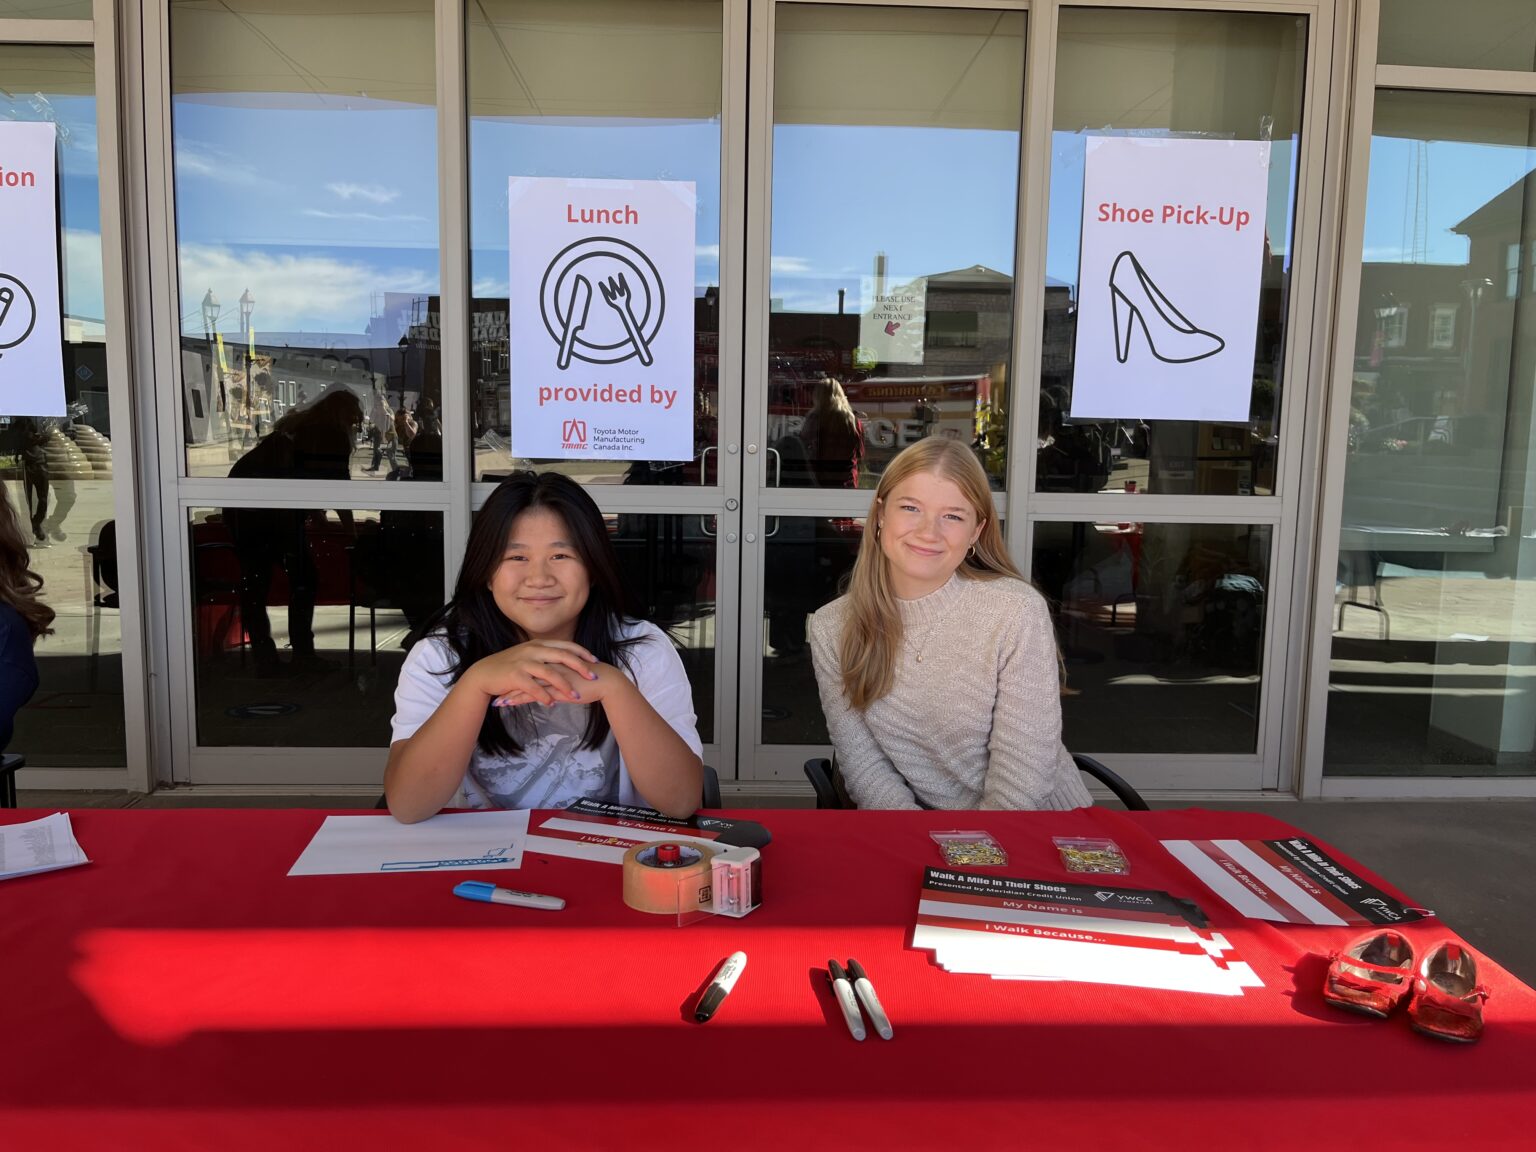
1372 975
1447 999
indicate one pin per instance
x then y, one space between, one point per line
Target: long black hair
474 627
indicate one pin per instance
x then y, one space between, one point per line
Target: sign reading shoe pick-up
31 331
1168 283
600 316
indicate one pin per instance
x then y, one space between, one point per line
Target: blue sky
318 213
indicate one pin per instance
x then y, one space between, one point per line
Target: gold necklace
927 632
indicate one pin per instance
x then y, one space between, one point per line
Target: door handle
778 475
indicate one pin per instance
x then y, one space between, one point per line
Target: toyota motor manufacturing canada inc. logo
629 318
573 434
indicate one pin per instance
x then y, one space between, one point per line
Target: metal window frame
100 35
1367 78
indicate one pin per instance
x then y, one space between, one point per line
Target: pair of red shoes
1376 973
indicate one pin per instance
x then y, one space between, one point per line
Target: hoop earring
877 531
971 554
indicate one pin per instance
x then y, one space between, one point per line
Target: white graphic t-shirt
552 770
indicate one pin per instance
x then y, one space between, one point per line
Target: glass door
882 304
916 272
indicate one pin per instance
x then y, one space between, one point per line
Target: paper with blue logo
448 842
600 318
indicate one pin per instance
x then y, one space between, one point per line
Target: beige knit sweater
974 723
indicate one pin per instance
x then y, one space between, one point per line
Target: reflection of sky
932 199
1459 179
316 212
79 192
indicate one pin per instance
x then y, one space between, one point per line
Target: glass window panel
1432 663
805 559
299 620
1497 34
58 471
611 89
305 163
895 190
669 565
45 9
1232 76
1161 627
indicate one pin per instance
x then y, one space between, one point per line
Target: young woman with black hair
533 687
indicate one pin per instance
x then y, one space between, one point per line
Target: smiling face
541 584
926 527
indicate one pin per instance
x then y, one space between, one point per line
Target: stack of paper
39 846
1015 929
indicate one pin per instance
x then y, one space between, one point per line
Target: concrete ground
1461 858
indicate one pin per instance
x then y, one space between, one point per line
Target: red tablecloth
182 991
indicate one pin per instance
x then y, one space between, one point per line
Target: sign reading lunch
600 318
31 329
1168 283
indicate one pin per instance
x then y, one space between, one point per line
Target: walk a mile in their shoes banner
600 312
1168 285
31 332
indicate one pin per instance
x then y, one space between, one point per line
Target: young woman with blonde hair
23 618
938 669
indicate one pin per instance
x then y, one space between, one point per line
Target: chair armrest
1111 780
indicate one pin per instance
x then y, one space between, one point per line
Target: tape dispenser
690 879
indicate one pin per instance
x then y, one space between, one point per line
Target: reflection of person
23 618
937 611
381 434
833 437
411 545
426 416
313 443
405 427
34 432
533 688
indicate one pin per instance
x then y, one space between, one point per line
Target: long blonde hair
872 632
20 587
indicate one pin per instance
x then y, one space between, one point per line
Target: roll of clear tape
668 878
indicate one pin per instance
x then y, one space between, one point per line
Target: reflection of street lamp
210 327
247 306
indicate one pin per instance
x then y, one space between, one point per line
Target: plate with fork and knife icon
602 301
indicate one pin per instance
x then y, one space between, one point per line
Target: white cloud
204 163
789 265
489 286
318 293
83 296
322 214
706 252
373 193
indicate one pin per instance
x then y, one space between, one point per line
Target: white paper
31 333
601 375
450 842
39 846
1168 280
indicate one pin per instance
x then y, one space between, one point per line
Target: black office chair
711 791
9 763
711 788
830 793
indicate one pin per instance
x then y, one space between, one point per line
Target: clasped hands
546 672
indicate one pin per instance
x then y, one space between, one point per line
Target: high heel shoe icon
1171 336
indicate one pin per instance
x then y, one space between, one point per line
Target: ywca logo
573 434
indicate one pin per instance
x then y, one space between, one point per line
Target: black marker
723 982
